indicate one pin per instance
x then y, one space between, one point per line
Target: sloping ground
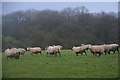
68 66
0 65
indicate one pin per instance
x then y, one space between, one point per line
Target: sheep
16 53
8 53
97 49
53 50
86 47
58 50
115 47
50 50
59 46
106 48
79 50
111 47
22 51
12 53
34 50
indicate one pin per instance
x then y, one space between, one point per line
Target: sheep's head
82 44
89 46
28 49
24 50
6 50
46 48
73 47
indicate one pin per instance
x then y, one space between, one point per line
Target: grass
0 66
68 66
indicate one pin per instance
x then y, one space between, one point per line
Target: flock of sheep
53 50
96 49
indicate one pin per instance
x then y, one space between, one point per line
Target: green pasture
68 66
0 66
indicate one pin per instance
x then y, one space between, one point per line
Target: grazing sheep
86 47
34 50
111 47
115 47
59 46
79 50
106 48
16 56
12 53
53 50
58 49
17 53
22 51
8 53
97 49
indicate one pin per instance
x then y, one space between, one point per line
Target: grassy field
68 66
0 66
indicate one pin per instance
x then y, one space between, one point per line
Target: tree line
68 27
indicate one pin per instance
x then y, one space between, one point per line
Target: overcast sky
94 7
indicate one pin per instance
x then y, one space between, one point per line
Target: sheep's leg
95 54
99 54
7 57
114 52
47 54
23 53
60 55
105 52
52 54
18 57
31 54
85 53
77 54
40 52
13 56
118 49
55 54
10 57
81 53
102 53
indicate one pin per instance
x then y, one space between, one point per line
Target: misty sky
94 7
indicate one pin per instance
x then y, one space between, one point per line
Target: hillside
69 27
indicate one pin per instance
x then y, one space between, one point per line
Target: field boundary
0 39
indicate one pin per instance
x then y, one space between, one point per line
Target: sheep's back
97 49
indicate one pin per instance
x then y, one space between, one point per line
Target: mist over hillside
69 27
